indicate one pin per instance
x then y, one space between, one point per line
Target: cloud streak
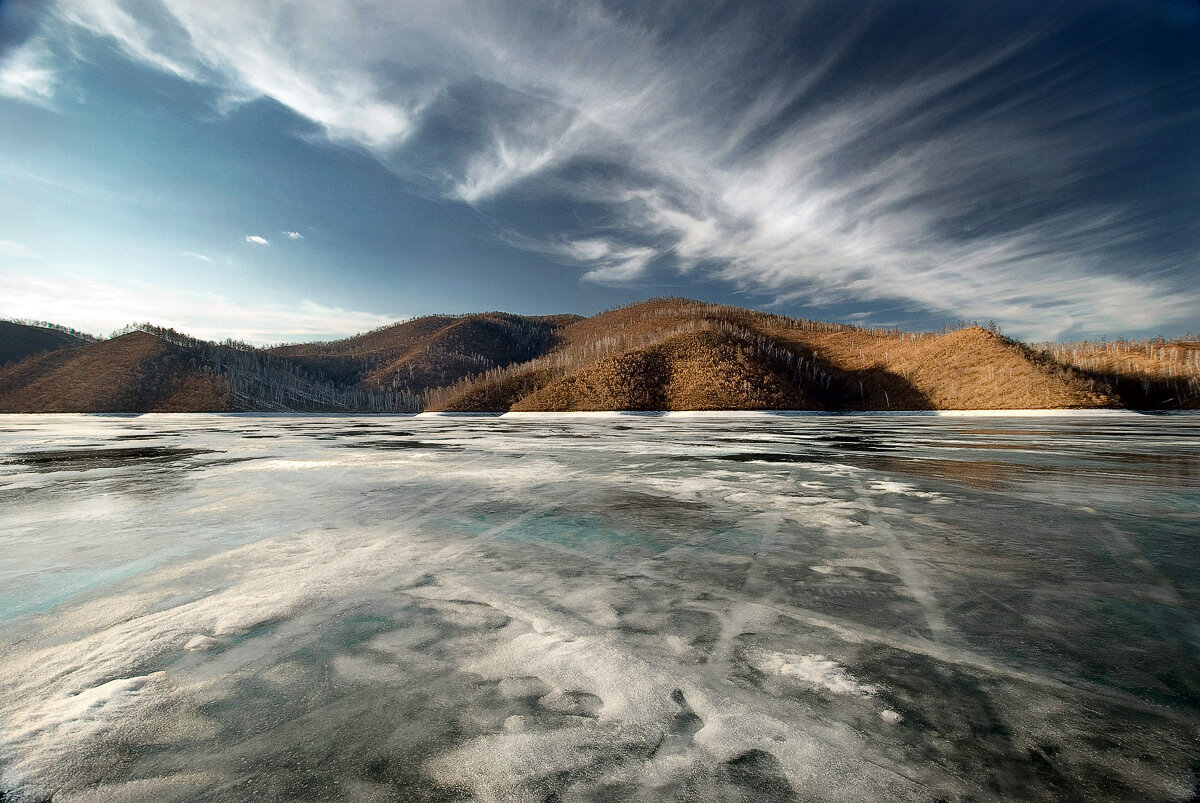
954 161
244 49
98 305
26 73
254 239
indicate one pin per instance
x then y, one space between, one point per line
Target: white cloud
244 48
608 260
256 240
136 35
26 73
772 192
15 250
99 305
294 235
200 257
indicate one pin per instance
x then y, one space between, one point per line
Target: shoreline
1061 412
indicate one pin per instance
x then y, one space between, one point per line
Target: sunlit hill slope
665 354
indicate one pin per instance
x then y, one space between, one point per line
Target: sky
280 171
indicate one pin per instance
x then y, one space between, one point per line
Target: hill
704 370
137 372
653 354
1143 374
429 352
21 340
664 354
150 369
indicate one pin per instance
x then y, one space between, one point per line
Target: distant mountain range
664 354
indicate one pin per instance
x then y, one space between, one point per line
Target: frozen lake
542 608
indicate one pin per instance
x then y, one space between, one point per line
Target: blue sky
291 170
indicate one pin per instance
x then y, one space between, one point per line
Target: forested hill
664 354
431 351
147 368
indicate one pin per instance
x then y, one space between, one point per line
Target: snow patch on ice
60 721
901 488
813 669
90 705
200 643
176 788
61 695
509 765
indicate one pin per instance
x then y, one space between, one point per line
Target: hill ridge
20 339
665 353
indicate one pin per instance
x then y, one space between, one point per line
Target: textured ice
599 607
816 670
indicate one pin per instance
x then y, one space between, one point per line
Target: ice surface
816 670
599 608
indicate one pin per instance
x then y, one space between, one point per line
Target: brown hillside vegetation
705 370
18 341
965 369
396 338
681 354
665 354
137 372
431 351
1144 374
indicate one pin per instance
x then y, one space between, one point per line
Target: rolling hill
664 354
676 354
1144 375
430 351
136 372
21 340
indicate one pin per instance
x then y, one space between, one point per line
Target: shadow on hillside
1142 392
873 388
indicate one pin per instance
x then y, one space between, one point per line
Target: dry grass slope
468 346
965 369
1143 374
19 341
429 352
664 354
706 370
132 373
635 358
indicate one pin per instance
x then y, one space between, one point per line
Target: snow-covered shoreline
755 414
602 414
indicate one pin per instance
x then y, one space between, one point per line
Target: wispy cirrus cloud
294 235
965 162
27 73
99 305
243 48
